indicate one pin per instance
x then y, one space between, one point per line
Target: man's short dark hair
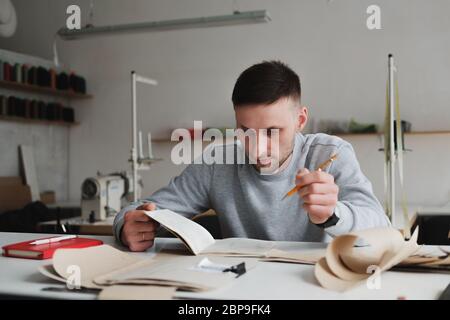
265 83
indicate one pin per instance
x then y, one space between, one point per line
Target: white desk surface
268 280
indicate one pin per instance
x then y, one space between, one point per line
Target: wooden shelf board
42 90
38 121
355 134
428 132
406 133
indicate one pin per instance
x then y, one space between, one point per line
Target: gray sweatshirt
249 204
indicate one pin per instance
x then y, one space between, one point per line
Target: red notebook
45 251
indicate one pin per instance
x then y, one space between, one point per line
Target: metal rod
133 148
149 141
141 153
391 171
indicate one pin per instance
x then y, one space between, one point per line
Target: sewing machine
102 196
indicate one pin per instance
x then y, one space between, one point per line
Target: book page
194 236
310 256
240 246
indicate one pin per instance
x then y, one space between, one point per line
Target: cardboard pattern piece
103 266
346 265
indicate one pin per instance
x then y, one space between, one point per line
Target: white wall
342 66
50 151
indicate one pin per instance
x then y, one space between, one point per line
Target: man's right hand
138 231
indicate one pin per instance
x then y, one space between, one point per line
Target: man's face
271 150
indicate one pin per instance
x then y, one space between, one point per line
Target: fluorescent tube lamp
236 18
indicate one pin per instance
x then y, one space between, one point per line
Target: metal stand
139 162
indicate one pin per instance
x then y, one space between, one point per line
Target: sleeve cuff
345 223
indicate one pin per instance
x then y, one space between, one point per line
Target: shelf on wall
427 132
38 121
43 90
406 133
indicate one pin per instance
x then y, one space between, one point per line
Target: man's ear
302 118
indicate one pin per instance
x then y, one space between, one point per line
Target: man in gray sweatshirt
249 197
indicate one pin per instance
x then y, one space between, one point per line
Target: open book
199 241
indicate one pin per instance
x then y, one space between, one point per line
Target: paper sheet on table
346 266
137 292
429 256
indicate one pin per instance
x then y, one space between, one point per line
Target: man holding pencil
329 193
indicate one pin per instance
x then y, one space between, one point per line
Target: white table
268 280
